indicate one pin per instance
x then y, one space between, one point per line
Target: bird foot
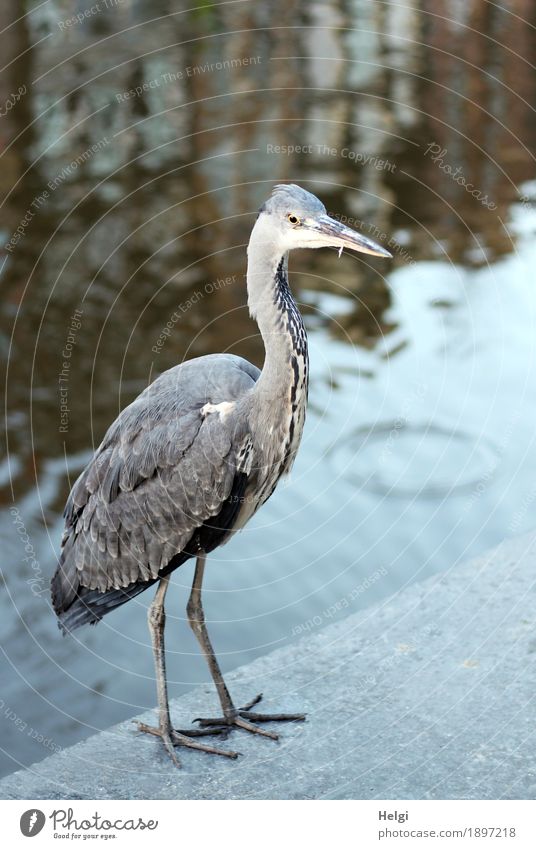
245 719
171 738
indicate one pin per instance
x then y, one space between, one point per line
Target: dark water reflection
419 445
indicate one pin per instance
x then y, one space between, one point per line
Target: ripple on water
399 458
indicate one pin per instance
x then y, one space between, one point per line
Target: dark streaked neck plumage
281 390
271 304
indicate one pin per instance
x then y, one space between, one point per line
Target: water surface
133 166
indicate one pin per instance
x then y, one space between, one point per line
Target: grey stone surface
428 695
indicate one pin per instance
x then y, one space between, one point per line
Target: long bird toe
245 719
172 738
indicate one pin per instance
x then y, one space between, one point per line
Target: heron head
299 220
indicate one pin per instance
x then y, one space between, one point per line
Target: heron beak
331 233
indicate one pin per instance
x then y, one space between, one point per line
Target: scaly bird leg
169 736
242 717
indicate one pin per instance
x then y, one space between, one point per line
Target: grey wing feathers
163 468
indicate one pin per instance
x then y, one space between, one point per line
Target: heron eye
293 218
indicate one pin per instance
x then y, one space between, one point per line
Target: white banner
271 824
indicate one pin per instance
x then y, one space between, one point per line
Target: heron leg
169 736
242 717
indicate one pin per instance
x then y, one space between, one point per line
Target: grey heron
192 458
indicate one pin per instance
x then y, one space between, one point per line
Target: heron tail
76 605
89 606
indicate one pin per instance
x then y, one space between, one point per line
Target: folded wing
165 467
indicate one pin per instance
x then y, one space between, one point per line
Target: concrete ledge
429 695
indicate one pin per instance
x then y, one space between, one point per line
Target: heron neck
271 304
